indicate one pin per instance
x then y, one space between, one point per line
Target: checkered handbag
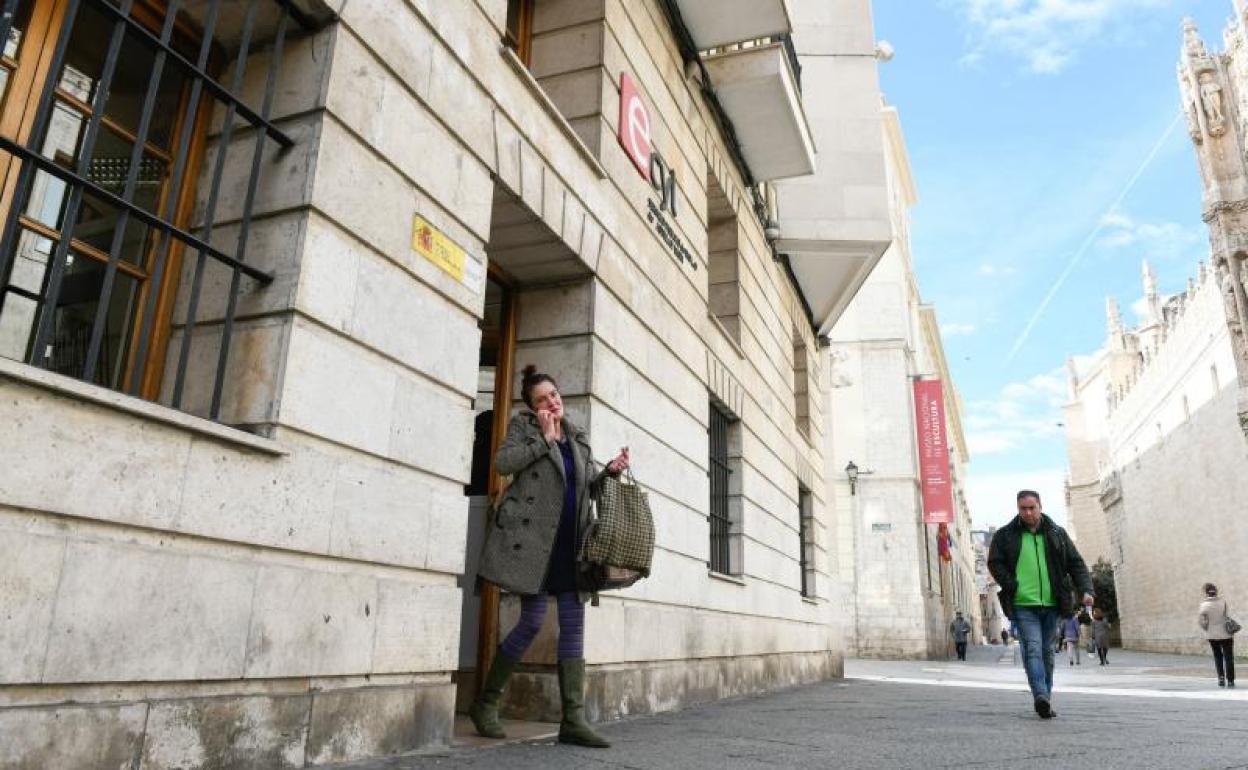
619 545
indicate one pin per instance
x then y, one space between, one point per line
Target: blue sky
1025 121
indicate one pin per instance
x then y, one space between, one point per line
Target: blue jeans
1037 626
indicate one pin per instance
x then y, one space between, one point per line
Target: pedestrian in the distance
959 629
1100 635
531 549
1070 634
1005 636
1085 630
1031 558
1213 614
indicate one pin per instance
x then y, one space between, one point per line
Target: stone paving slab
857 723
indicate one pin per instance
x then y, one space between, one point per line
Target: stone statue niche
1212 103
1204 102
1229 301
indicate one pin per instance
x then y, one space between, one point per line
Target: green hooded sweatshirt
1032 572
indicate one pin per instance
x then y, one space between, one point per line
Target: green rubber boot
574 729
484 710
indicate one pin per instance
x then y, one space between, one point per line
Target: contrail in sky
1087 242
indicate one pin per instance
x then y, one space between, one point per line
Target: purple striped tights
533 612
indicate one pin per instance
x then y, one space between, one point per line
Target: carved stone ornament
1193 46
1190 106
1227 286
1111 490
1211 101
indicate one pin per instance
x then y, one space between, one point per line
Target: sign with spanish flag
432 244
929 407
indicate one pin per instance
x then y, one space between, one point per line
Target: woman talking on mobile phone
531 548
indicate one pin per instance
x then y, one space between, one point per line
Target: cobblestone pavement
1143 711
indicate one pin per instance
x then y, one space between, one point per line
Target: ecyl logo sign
635 137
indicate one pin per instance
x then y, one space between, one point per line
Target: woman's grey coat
521 533
1100 633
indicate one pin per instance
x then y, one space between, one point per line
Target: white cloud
954 330
1045 34
1022 413
1156 240
991 496
1140 308
989 269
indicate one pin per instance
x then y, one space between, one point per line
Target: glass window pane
31 262
97 222
84 60
84 66
17 33
75 314
46 201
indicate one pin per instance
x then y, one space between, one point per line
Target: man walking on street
959 629
1031 558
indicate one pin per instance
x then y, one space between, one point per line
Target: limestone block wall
657 357
644 375
179 584
1182 527
203 596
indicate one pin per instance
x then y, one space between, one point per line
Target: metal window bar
210 211
803 538
720 522
245 225
82 180
40 351
184 143
132 176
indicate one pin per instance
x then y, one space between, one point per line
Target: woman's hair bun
528 371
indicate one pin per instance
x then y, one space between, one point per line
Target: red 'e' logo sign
634 128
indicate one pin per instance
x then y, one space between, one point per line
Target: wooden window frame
30 74
520 39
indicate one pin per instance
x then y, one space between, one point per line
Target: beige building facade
899 595
258 337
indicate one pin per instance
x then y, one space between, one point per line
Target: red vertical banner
929 407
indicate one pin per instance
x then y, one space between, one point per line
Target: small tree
1103 585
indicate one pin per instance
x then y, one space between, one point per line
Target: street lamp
853 472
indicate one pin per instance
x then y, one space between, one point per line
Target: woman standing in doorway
531 548
1213 620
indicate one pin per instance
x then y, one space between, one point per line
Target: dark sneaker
1044 709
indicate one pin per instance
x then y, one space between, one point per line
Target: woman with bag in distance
531 548
1212 619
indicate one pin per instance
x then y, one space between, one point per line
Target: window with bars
103 128
720 473
805 545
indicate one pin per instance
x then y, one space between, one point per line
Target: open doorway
526 260
492 405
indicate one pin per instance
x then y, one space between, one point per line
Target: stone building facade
1157 422
1157 462
899 596
258 336
1213 88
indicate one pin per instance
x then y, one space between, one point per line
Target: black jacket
1068 574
